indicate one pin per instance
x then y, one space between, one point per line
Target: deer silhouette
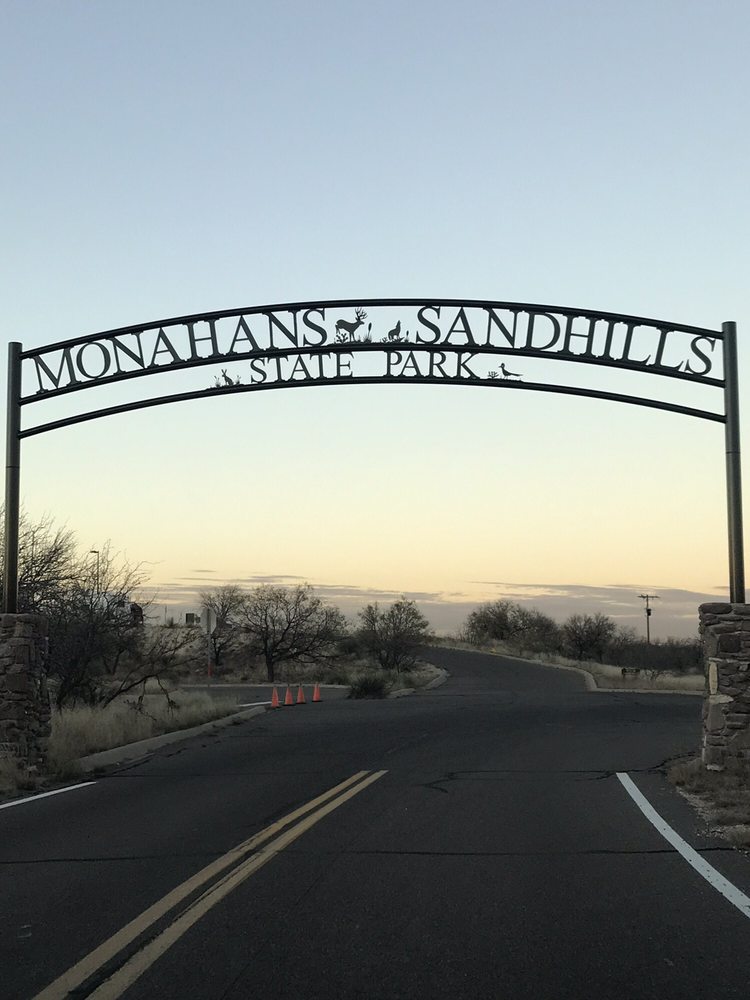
351 328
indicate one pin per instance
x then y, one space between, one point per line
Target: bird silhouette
506 373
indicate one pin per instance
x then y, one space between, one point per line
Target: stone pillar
24 700
725 630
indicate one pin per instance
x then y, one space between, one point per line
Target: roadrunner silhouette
506 373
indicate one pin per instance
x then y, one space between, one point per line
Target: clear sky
164 158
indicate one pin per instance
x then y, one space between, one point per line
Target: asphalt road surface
477 844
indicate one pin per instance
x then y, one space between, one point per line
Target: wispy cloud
196 579
612 593
274 578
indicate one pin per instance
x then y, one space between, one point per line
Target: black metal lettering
510 335
570 333
341 365
119 346
243 331
658 360
299 367
391 358
65 361
530 332
628 345
257 368
436 365
462 366
318 359
314 326
429 324
707 362
105 359
465 329
194 341
162 338
411 362
607 352
274 321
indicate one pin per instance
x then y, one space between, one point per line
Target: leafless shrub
393 636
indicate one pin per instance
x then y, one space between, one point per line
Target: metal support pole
734 470
12 479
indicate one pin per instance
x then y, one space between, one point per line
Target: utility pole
95 552
647 598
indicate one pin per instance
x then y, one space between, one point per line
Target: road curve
471 841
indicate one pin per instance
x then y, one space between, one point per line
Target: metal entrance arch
389 341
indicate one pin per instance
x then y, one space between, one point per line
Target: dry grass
610 677
15 778
77 732
722 798
738 835
419 676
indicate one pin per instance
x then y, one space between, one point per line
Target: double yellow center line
233 867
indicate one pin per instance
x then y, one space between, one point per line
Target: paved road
497 856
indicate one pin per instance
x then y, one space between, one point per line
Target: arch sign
507 346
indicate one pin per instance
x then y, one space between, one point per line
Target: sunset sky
168 158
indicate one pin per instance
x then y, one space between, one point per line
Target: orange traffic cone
316 692
300 696
275 699
288 700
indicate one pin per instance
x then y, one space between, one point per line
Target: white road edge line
44 795
735 896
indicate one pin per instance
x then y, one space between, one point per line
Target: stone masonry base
24 701
725 629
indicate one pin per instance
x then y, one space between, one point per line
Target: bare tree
394 636
588 636
46 554
225 604
92 629
289 623
99 647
